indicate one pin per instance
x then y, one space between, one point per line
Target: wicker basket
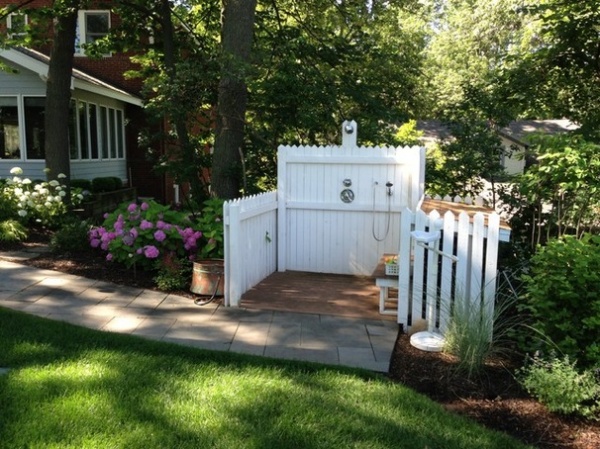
392 269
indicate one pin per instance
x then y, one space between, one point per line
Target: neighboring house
514 137
106 108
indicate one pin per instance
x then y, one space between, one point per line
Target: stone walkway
355 342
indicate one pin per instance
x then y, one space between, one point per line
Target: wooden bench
385 282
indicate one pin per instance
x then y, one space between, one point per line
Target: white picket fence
250 228
460 266
308 225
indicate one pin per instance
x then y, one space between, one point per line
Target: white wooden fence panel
318 232
477 262
418 283
250 230
447 271
467 259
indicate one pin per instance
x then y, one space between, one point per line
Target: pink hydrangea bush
144 235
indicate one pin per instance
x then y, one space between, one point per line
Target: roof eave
41 69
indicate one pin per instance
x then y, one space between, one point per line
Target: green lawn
70 387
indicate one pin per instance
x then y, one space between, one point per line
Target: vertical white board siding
404 265
250 243
325 234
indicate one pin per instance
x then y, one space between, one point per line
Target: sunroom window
9 128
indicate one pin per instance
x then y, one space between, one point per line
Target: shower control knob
347 195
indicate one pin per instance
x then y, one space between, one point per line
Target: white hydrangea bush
34 202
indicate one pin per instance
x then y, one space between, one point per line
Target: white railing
460 266
250 238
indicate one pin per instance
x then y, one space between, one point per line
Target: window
91 26
16 23
9 128
34 127
97 132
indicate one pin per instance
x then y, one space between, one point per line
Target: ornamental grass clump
144 235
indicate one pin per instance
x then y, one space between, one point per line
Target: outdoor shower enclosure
338 209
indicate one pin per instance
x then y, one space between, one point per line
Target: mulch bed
493 398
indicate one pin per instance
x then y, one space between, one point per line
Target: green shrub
561 296
556 383
106 184
174 274
83 184
117 182
71 236
144 235
12 231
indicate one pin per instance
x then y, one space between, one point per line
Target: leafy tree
565 73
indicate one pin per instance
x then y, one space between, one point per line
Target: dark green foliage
174 274
117 182
71 235
557 383
472 156
83 184
106 184
562 297
559 194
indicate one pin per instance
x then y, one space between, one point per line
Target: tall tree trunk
237 23
58 92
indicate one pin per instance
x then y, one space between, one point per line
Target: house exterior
514 137
106 110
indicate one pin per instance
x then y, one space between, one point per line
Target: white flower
18 191
61 176
16 171
62 193
79 196
22 213
48 204
35 194
54 183
30 203
26 181
58 199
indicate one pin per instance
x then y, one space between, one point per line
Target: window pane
96 26
9 129
16 23
73 147
83 130
121 151
104 132
93 122
113 134
34 127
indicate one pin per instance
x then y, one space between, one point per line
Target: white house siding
28 83
515 164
